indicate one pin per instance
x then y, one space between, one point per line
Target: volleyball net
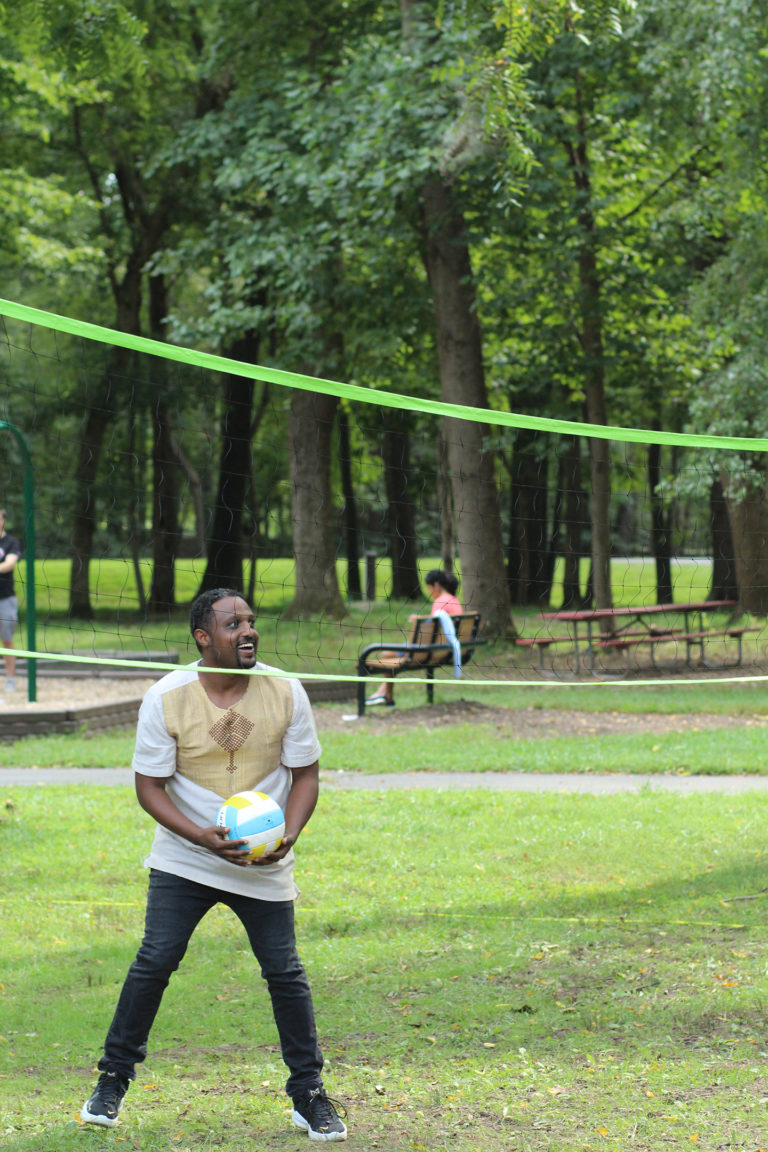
158 470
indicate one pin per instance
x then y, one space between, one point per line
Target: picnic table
641 624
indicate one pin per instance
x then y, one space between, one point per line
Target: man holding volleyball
204 733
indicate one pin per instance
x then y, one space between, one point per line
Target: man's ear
202 639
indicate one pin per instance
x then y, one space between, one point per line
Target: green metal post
29 552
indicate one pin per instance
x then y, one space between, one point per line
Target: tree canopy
549 209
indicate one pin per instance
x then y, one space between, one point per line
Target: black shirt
8 546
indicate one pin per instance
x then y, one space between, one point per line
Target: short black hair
446 580
202 607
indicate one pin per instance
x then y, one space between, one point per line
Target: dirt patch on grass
532 723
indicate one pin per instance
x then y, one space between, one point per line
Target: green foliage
267 162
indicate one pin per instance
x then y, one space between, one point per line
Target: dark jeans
174 909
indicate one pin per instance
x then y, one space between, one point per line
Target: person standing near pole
10 551
204 733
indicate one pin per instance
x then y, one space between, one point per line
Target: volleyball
255 817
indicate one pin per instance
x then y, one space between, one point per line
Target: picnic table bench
426 650
642 626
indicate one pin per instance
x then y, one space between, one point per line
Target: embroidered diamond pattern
230 733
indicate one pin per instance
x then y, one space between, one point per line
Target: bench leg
361 687
430 686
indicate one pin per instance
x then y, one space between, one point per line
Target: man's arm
154 799
9 563
300 805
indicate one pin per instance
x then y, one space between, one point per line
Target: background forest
544 209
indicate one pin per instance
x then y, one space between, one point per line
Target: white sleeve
301 746
155 751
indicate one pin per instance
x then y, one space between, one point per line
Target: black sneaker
317 1115
106 1101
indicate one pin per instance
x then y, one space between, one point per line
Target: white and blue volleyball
255 817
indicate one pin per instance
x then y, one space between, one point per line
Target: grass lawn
374 746
478 748
491 971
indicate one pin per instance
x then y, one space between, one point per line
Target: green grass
670 698
490 971
375 745
479 748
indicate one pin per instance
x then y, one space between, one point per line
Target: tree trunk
312 512
196 490
224 568
445 502
724 586
165 512
255 500
99 416
401 517
526 558
135 511
575 518
543 590
350 517
145 228
591 331
462 380
166 532
748 510
661 539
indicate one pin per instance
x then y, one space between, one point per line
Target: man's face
230 639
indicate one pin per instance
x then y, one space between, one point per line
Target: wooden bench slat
542 641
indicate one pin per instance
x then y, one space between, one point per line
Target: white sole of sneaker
102 1121
300 1122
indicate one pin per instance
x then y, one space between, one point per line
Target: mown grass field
551 973
489 739
540 973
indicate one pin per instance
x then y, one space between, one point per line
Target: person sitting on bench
441 588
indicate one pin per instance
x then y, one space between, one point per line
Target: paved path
502 781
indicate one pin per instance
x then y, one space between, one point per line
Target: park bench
426 650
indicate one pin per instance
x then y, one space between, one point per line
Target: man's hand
215 840
282 850
155 800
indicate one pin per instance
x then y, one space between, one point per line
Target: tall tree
351 517
224 566
127 93
462 379
312 505
401 523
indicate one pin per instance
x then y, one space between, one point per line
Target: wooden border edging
14 725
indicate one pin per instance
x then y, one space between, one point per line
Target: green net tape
353 392
361 395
